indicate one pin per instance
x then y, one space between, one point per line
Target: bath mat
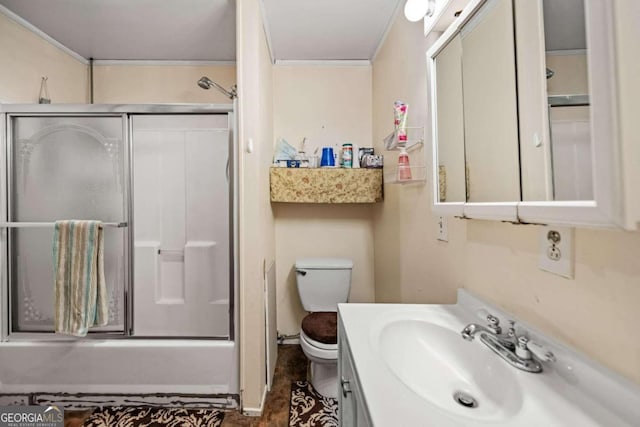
147 416
309 409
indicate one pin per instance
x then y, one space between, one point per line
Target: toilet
322 284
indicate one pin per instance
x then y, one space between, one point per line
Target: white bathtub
119 366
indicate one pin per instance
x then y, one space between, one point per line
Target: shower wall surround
163 178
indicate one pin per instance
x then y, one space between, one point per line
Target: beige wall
150 84
321 231
26 58
595 312
329 106
410 265
257 243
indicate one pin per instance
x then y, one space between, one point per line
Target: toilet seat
318 335
317 350
321 327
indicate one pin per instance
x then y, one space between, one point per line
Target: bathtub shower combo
162 180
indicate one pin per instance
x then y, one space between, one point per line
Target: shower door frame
10 262
126 112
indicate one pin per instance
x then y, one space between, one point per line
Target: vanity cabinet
526 126
352 408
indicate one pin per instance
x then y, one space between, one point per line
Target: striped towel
81 291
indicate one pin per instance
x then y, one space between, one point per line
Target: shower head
206 83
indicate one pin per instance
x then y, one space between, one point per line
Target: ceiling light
415 10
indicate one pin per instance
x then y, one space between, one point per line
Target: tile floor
290 366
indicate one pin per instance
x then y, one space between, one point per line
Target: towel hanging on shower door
80 287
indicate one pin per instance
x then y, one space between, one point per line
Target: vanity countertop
409 364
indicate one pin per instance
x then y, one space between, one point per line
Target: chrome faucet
518 351
494 329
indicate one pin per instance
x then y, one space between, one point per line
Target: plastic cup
327 157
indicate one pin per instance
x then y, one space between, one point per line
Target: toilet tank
323 282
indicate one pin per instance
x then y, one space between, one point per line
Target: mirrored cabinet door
553 89
576 133
490 106
449 124
474 107
539 113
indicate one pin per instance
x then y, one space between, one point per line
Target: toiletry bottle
356 157
347 155
404 170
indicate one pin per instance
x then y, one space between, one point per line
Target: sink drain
465 399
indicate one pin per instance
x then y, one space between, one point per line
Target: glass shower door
64 167
182 237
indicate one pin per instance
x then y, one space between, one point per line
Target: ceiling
204 30
564 25
327 29
192 30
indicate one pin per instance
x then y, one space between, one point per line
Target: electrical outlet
556 250
442 233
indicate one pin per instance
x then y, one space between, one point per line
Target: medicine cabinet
523 98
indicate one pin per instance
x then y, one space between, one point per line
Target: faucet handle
541 352
511 332
494 324
522 348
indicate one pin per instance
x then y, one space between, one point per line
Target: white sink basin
410 361
435 362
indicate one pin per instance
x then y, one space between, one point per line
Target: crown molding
136 62
323 63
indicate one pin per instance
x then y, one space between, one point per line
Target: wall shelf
326 185
418 176
415 139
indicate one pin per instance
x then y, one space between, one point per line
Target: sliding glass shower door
182 213
64 167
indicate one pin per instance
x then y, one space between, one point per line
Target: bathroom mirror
556 144
449 130
579 131
489 104
536 149
474 111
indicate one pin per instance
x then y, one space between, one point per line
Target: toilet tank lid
324 263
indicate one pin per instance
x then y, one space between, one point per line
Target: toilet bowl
322 284
324 365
